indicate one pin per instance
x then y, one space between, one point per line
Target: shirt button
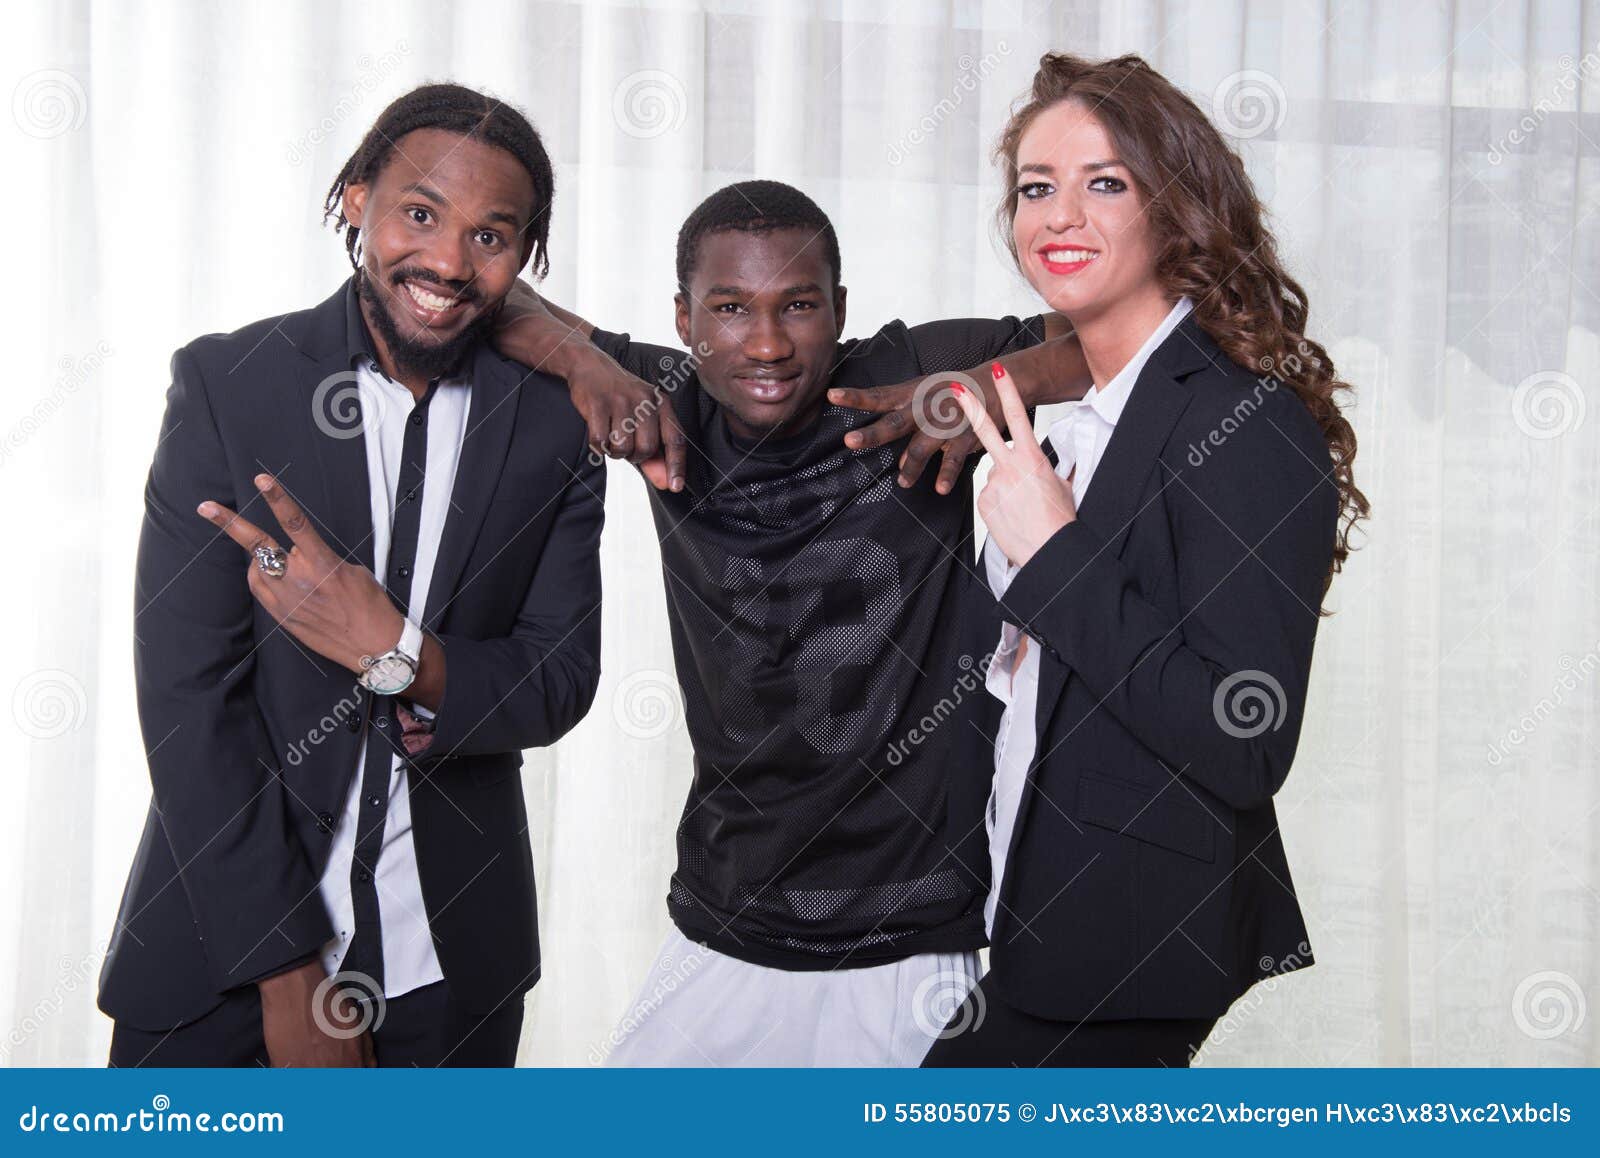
363 876
403 571
375 800
325 821
416 418
354 722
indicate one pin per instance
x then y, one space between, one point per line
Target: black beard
420 359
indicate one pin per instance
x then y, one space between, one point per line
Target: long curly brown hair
1211 240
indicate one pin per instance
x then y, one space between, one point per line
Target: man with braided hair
334 716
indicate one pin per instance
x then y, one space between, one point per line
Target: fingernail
263 481
206 510
958 388
997 370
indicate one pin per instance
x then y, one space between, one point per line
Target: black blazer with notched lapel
1176 619
252 739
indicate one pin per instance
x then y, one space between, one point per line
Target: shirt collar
1109 401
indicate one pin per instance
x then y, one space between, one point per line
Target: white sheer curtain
1434 178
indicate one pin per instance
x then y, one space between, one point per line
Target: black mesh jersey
813 605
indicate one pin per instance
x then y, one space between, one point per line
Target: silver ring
273 561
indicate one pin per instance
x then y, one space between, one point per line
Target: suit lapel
1115 499
490 423
331 404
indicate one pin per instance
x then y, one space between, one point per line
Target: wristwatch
391 673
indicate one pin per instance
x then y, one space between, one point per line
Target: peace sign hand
1024 502
334 607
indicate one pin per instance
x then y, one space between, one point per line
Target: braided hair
753 207
455 109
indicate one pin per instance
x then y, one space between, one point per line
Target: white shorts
699 1007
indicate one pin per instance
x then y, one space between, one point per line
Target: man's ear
680 302
838 308
354 203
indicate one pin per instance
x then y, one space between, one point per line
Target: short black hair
753 207
455 109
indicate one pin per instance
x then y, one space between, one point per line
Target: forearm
1052 371
543 336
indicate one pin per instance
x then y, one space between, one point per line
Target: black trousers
986 1032
425 1027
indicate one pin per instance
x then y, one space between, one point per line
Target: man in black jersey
828 886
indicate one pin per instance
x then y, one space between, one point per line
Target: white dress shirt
409 961
1080 440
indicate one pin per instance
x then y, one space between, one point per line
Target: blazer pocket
1133 810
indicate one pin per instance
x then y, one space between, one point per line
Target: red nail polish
996 369
957 388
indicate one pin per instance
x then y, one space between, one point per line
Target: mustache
460 290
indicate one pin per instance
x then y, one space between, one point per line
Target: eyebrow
1044 170
428 192
735 291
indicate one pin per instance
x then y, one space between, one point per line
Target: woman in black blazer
1160 562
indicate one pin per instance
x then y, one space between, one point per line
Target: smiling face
1081 230
444 233
764 310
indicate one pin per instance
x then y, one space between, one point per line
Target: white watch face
389 674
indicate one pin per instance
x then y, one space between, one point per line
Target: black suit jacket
1146 877
252 740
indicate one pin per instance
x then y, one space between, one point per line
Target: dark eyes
1035 190
735 307
421 215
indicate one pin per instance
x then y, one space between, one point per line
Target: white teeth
1069 256
426 300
